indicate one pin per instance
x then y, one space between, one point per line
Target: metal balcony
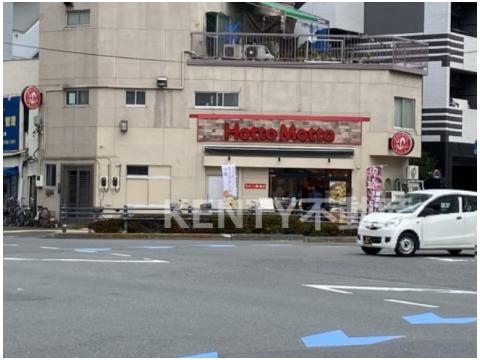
310 49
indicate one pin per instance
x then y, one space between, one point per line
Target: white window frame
78 12
217 93
136 105
402 120
76 91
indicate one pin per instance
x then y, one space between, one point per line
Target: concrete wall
437 17
394 18
345 15
7 30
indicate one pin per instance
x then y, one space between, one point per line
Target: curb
222 237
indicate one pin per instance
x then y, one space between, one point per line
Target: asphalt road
113 298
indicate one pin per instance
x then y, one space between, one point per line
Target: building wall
437 18
161 134
7 30
345 15
394 18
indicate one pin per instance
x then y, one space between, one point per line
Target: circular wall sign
32 97
401 143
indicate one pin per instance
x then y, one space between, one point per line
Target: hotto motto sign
299 129
401 143
31 97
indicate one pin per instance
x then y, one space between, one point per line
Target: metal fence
311 48
72 215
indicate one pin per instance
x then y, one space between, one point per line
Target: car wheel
370 250
454 251
407 244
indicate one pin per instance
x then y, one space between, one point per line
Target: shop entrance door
77 189
215 191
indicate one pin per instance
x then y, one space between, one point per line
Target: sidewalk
84 233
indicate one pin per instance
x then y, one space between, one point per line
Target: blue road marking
151 247
205 355
339 338
91 250
432 318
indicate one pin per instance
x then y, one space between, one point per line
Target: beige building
143 106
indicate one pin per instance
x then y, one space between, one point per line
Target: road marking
151 247
49 247
336 288
10 244
204 355
449 260
216 245
339 338
91 250
411 303
118 254
430 318
91 260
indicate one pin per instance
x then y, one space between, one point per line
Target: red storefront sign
31 97
255 186
401 143
284 134
312 129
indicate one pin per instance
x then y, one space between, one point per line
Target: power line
92 54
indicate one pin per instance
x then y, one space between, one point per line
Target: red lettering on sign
284 134
255 186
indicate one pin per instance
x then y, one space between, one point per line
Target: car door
442 224
469 213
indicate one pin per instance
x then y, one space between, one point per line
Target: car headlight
393 222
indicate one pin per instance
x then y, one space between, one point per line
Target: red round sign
32 97
401 143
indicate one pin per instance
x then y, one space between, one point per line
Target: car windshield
407 203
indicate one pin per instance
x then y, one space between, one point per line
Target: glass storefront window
332 185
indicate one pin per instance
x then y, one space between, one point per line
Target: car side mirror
428 211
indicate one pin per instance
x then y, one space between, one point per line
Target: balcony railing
311 48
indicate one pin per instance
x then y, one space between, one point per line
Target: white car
426 219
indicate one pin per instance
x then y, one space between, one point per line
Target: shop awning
10 171
292 12
304 151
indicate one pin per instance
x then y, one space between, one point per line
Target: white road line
49 247
10 244
411 303
336 288
91 260
449 260
118 254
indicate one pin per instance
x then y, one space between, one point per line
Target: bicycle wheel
43 217
20 218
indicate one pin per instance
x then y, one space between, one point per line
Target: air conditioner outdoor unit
411 172
258 52
232 51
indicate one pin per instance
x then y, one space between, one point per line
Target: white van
426 219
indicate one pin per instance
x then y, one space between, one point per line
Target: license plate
367 240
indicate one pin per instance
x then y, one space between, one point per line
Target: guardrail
311 48
72 215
